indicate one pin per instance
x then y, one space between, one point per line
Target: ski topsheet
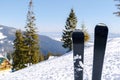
78 54
100 39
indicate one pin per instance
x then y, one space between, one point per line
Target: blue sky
51 15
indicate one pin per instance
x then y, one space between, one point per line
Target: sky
51 15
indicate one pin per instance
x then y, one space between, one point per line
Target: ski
100 39
78 54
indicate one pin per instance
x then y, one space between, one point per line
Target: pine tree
31 37
71 23
26 46
86 35
118 7
19 56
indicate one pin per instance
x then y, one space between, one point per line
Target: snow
61 68
1 56
51 57
2 36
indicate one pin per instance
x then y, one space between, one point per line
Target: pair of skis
100 39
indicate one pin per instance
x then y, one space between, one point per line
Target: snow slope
61 68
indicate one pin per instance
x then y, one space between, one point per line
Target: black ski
78 54
100 39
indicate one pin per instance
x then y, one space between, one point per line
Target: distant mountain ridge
7 35
47 43
58 35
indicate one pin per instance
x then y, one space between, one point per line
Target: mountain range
47 44
49 41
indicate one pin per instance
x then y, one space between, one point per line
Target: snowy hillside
2 36
61 68
6 38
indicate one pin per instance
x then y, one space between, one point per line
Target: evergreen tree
26 46
86 35
71 23
31 37
118 6
19 56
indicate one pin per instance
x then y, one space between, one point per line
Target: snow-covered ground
61 68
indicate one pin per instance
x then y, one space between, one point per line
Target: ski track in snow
61 68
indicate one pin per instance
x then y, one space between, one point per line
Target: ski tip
101 26
78 36
101 29
77 30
